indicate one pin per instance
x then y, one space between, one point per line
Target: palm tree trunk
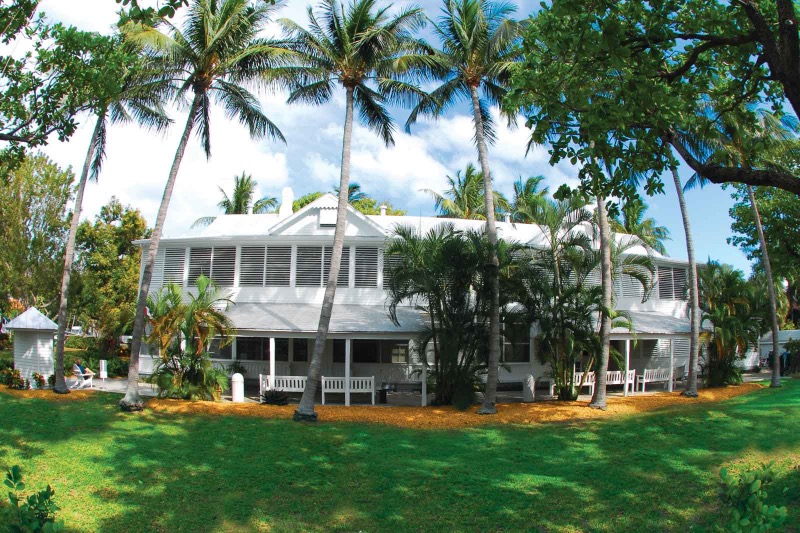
490 396
773 303
599 398
132 401
694 294
305 411
69 255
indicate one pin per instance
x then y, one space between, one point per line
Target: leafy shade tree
631 220
635 79
241 200
464 197
33 210
446 272
480 45
779 212
187 372
132 92
45 88
216 55
108 271
364 49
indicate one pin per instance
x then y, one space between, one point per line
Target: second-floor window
269 266
218 263
366 267
671 283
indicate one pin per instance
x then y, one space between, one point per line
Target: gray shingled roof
304 318
656 324
32 319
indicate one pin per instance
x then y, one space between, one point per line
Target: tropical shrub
274 397
38 380
186 371
34 513
6 361
745 497
446 272
236 367
13 379
76 342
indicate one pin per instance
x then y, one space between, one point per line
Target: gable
319 219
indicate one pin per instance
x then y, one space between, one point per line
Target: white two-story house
275 268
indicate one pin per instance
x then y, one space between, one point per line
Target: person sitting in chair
82 374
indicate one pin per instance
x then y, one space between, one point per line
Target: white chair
82 380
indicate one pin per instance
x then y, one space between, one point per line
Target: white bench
282 383
588 381
615 377
653 375
336 385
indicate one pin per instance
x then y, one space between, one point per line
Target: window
300 347
366 267
251 266
279 266
343 280
199 264
252 349
366 351
394 352
216 352
309 266
338 350
672 283
281 349
516 353
174 259
223 266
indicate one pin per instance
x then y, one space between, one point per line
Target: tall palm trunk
599 398
489 398
773 303
69 255
305 411
132 401
694 293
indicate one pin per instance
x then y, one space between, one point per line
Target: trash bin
528 388
237 388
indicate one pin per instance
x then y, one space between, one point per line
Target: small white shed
33 343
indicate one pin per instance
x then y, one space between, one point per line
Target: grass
171 472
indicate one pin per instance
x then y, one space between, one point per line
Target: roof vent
508 218
287 199
327 218
383 210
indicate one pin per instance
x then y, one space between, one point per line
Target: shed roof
304 318
32 320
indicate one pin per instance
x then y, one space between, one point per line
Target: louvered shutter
279 266
366 267
174 260
665 291
390 262
223 266
679 289
251 266
343 280
309 266
199 264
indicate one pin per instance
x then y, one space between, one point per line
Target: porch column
627 366
272 362
348 344
671 362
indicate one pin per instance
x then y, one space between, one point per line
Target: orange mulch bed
449 417
48 394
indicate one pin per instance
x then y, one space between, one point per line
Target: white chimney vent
508 218
287 199
383 210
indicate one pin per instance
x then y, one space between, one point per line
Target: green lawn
653 472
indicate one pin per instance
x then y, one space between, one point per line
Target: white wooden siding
33 352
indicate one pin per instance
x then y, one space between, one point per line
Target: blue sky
138 161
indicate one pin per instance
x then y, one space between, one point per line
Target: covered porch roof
304 318
651 325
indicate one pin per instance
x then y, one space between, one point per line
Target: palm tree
694 293
354 193
216 54
132 95
464 197
241 200
633 222
748 141
479 49
362 48
526 195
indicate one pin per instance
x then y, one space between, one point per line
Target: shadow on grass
202 473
